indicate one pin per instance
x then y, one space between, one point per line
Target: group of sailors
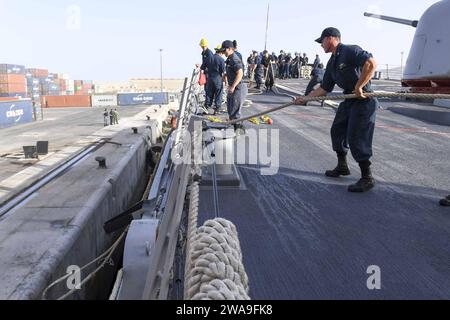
262 68
219 73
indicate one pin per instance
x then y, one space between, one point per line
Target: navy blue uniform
207 58
316 78
316 63
236 99
216 70
239 55
259 71
270 78
354 124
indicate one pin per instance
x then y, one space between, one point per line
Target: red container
38 73
13 88
62 84
66 101
12 78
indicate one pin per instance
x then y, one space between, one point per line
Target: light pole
267 25
160 56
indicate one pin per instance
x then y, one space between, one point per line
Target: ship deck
304 236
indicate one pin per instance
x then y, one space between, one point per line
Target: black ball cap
227 44
329 32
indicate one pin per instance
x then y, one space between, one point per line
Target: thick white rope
192 227
216 268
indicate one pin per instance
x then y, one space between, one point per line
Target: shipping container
12 69
50 93
36 98
45 80
34 89
12 78
15 112
104 100
53 76
50 87
20 95
13 88
38 73
128 99
80 93
32 81
66 101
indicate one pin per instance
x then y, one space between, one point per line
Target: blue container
15 112
132 99
45 80
32 81
34 88
12 69
50 87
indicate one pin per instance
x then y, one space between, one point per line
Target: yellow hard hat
203 43
218 48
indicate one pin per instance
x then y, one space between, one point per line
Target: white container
103 100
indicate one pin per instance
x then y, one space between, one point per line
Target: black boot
341 169
366 182
445 202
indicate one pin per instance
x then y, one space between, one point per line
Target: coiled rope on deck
405 95
214 267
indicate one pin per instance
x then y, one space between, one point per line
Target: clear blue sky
116 40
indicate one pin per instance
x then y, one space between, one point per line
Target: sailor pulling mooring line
351 68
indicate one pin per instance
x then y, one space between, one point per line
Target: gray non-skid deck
304 236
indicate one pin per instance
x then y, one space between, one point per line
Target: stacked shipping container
36 79
12 81
83 87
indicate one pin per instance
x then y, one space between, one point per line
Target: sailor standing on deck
237 90
207 57
351 68
216 72
316 78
